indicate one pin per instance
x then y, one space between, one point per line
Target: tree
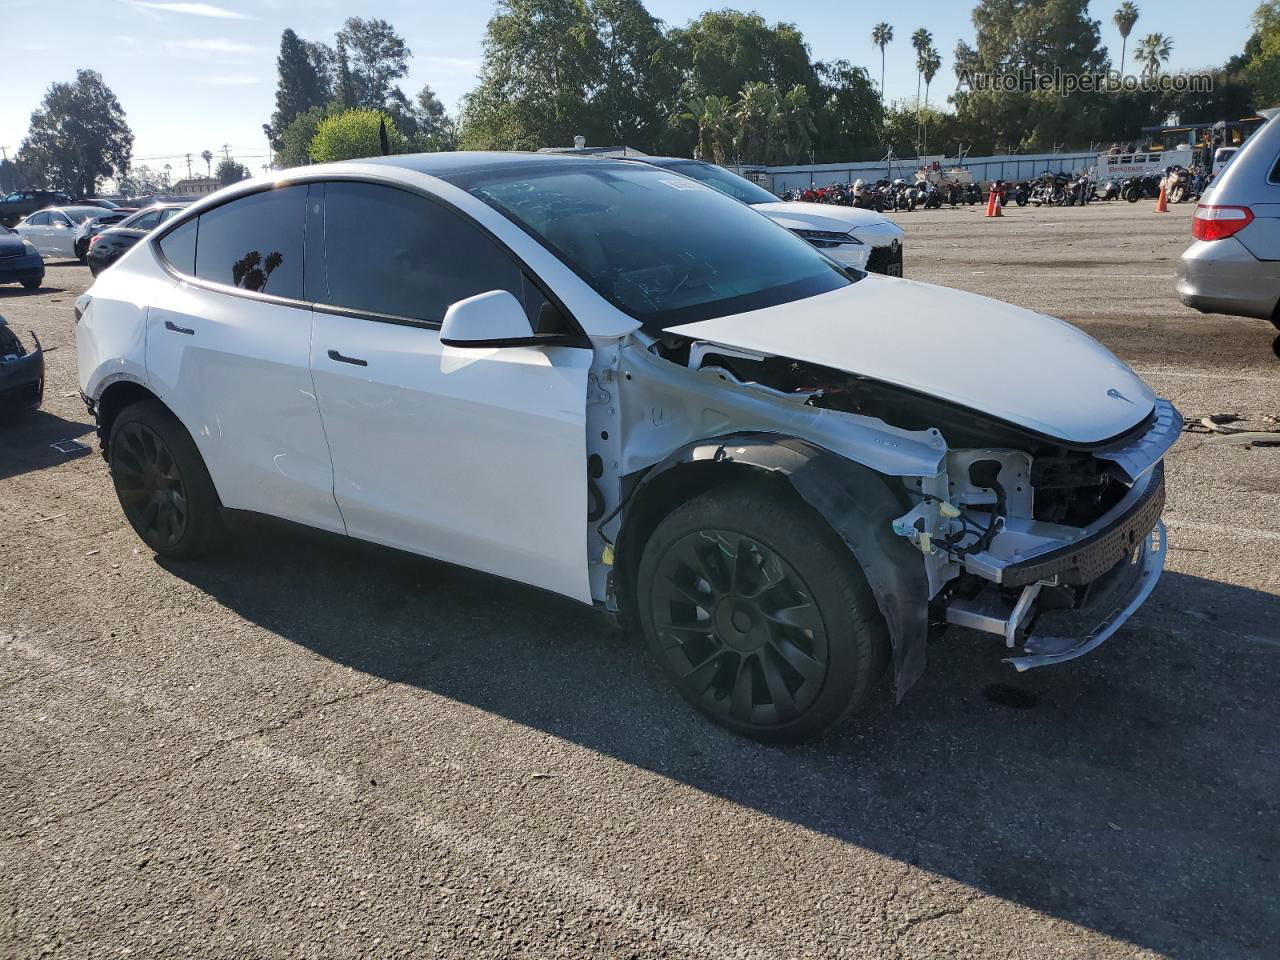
207 157
723 51
77 137
353 134
882 36
635 91
754 113
1153 50
1125 17
300 85
929 64
295 149
1263 69
1030 37
848 114
230 172
542 61
711 115
376 56
140 181
921 41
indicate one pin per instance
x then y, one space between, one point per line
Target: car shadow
1131 792
18 291
25 438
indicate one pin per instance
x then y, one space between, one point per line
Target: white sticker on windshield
686 184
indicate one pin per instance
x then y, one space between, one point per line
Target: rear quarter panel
111 336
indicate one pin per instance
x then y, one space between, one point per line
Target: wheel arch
116 397
857 503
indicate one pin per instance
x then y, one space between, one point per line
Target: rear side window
1275 172
255 243
391 252
38 220
145 222
179 247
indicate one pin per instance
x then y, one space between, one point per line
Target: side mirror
493 319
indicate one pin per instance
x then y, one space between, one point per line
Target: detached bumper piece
21 372
1053 633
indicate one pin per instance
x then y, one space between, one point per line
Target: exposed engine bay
1010 525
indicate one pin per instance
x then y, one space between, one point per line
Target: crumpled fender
860 506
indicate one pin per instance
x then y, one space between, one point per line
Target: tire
779 663
82 253
162 483
31 284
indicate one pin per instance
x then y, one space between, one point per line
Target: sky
201 75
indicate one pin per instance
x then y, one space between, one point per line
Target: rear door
474 456
228 350
1262 237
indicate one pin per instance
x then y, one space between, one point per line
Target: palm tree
921 41
1124 19
207 157
1153 50
929 63
757 114
712 118
882 36
796 126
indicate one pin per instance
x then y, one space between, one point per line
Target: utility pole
188 166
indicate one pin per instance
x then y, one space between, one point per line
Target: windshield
735 186
664 249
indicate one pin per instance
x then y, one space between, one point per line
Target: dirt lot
316 748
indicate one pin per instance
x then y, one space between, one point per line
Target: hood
818 216
10 246
1012 364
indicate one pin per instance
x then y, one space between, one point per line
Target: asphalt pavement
309 747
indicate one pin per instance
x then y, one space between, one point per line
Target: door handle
170 325
335 355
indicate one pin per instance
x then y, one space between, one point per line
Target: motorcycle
1050 189
1108 191
1176 183
1140 187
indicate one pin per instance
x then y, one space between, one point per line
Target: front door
473 456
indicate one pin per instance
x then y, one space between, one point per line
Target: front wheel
162 483
759 615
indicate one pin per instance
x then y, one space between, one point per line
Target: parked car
96 202
92 226
21 371
852 236
1233 267
582 375
20 262
111 244
17 205
57 231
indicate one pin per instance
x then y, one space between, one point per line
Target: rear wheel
162 483
759 615
31 284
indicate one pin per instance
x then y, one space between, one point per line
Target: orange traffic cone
1162 202
999 205
991 204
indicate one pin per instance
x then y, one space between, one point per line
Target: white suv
627 388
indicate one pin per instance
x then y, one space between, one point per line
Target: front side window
255 242
395 253
662 248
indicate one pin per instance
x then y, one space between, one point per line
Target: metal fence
1011 167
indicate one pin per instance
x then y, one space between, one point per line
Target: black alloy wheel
759 615
149 485
162 483
739 627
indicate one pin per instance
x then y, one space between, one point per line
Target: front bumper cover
22 380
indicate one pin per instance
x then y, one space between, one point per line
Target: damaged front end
955 517
21 371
